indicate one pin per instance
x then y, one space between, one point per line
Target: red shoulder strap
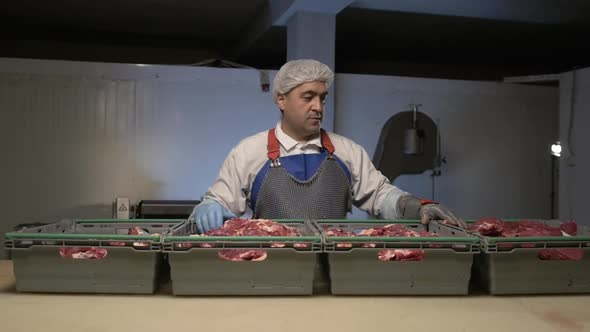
326 142
273 147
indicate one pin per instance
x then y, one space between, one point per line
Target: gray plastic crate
445 269
130 266
285 271
504 266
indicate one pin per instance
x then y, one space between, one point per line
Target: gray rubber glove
412 207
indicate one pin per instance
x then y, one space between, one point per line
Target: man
298 170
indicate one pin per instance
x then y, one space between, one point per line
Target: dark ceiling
367 40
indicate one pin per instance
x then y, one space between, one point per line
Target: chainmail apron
326 195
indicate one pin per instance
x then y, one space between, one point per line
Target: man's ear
280 100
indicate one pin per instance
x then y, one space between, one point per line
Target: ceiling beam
314 6
531 11
532 78
278 13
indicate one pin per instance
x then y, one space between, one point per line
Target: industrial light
556 149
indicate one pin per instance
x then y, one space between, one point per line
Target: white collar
289 142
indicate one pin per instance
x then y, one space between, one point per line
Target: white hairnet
297 72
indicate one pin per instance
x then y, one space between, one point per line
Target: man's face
303 109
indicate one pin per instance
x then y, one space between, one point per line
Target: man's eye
307 98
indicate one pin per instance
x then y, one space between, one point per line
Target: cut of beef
488 227
83 252
524 228
569 228
391 230
248 227
339 232
242 255
135 230
561 254
188 245
401 255
253 227
527 228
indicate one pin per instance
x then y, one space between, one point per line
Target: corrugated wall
60 136
70 144
574 178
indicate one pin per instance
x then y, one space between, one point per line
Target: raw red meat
339 232
188 245
488 227
401 255
526 228
135 230
561 254
248 227
391 230
183 245
253 227
83 252
386 255
570 227
242 255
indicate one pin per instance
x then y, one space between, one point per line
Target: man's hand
411 207
209 215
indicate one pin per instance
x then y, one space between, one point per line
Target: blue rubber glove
210 214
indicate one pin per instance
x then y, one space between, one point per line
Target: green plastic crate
130 266
445 269
285 271
504 266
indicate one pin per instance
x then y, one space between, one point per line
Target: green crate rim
64 236
491 240
128 221
207 239
81 236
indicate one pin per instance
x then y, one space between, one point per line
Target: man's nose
317 105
